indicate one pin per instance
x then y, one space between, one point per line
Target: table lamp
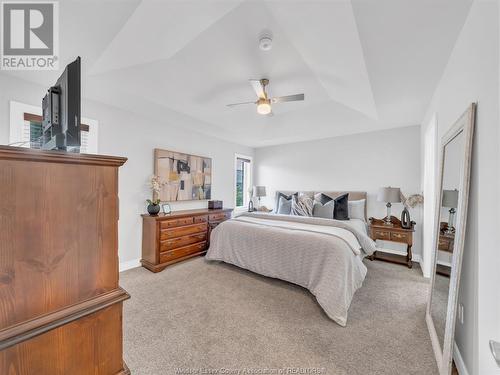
389 195
450 200
260 191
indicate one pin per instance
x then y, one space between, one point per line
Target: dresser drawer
381 234
400 237
166 234
168 256
219 216
445 244
200 219
176 242
176 222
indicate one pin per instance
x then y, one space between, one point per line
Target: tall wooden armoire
60 302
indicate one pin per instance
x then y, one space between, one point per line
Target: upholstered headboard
353 196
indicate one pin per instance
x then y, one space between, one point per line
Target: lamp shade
260 191
389 195
450 198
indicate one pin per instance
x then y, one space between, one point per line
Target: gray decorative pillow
301 206
284 206
321 198
324 210
357 209
279 195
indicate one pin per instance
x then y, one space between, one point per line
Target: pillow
324 210
286 210
284 206
357 209
341 209
301 205
322 198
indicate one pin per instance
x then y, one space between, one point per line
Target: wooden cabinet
395 233
446 240
171 238
60 302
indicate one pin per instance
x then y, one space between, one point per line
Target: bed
323 255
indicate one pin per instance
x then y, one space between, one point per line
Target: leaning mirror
449 235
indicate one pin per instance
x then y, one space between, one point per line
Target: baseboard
459 362
129 264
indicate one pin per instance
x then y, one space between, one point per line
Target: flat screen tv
61 111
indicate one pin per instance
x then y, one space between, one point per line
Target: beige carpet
215 318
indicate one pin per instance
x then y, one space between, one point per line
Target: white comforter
324 256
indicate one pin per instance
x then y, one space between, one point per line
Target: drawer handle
398 235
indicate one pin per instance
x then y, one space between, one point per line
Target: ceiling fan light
264 108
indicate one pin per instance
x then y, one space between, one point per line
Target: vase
153 209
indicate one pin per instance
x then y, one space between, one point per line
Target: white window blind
32 132
26 128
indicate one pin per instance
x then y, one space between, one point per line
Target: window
26 128
243 180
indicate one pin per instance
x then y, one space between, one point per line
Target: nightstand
396 233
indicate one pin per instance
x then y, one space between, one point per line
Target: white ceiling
363 65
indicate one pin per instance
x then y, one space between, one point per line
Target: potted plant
154 204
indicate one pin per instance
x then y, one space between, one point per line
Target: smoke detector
265 43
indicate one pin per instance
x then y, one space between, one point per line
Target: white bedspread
323 256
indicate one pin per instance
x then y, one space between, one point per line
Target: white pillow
357 209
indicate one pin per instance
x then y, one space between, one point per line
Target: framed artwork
183 177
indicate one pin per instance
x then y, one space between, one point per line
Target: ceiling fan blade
241 103
257 87
287 98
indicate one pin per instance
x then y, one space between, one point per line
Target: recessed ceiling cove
363 65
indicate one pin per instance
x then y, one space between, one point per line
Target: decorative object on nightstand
260 191
250 206
379 230
405 218
450 200
412 201
264 209
389 195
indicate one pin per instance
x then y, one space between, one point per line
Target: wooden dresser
60 302
171 238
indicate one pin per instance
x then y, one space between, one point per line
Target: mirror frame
465 124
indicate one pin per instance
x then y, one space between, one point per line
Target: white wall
472 74
123 133
361 162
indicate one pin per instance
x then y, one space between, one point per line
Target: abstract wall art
182 177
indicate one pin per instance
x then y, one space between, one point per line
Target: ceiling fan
264 102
